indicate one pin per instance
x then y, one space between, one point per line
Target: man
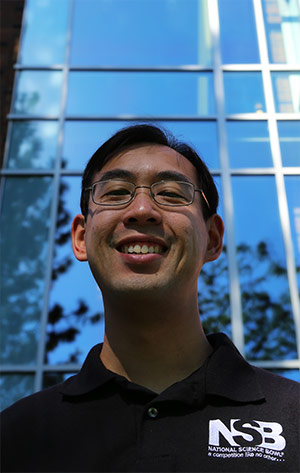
158 395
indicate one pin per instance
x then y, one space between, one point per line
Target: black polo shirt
225 417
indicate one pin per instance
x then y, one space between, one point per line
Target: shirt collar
228 374
92 375
225 374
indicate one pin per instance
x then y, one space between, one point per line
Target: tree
267 314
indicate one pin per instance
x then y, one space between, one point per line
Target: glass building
223 75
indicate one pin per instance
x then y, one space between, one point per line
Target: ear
215 228
78 238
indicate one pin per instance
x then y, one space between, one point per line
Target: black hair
135 135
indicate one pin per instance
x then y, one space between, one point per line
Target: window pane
238 32
213 296
44 32
140 93
213 289
292 184
83 138
286 88
282 23
249 144
244 92
75 321
51 378
289 138
24 247
268 321
141 33
38 92
33 145
15 387
202 136
287 373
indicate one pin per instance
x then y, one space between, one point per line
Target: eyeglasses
115 192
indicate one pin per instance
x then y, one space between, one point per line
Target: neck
154 345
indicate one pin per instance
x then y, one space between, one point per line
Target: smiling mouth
142 249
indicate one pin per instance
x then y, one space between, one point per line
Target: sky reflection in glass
33 144
289 138
45 32
140 33
244 92
238 32
38 93
24 225
291 374
268 322
82 138
213 288
249 144
292 184
147 94
75 320
14 387
51 377
201 135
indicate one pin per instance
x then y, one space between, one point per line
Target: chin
141 286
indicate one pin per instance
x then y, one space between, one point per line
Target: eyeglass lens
116 192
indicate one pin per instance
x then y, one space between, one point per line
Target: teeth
144 249
141 249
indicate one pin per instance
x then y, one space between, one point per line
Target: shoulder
48 401
32 409
281 396
229 374
29 426
274 385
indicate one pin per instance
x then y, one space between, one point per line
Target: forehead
147 161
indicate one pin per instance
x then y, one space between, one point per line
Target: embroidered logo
246 439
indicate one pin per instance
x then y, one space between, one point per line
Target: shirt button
152 412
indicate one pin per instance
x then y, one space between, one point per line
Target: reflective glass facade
230 88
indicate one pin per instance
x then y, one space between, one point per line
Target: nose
142 209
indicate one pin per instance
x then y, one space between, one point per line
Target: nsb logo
252 433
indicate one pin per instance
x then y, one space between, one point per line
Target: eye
172 192
112 191
119 191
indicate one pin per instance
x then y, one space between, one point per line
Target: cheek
198 239
194 229
101 228
191 235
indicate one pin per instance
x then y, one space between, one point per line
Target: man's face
143 248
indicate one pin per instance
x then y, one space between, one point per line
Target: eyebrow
117 174
172 176
161 176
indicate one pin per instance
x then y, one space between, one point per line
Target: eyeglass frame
133 194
